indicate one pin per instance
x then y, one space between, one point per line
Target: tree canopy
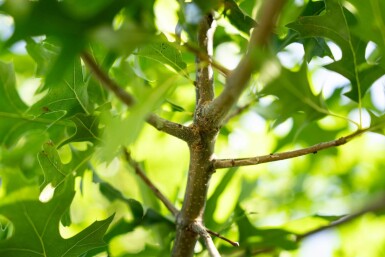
192 128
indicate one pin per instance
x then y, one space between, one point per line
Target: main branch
201 149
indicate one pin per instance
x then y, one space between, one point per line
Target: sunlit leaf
334 25
55 172
295 95
377 123
113 194
254 238
37 228
86 129
69 95
14 120
133 124
237 17
370 21
163 52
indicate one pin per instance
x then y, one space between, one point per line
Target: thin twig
106 81
223 238
159 123
376 206
148 182
206 58
202 232
203 56
227 163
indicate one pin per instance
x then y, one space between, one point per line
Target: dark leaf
295 96
334 24
113 194
37 228
237 17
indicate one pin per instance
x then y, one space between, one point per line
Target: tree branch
223 238
204 57
148 182
202 232
227 163
204 71
106 81
239 77
376 206
174 129
171 128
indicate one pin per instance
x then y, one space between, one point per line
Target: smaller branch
174 129
166 126
379 205
204 57
223 238
106 81
148 182
227 163
376 206
238 79
204 84
202 231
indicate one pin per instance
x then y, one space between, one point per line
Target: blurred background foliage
61 132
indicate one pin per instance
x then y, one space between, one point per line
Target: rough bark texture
209 115
201 148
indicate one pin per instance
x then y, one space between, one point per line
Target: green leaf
163 52
370 24
377 123
10 99
254 238
55 172
334 24
295 95
112 194
44 53
37 233
175 107
65 25
69 95
213 200
14 120
316 47
132 125
237 17
86 129
150 219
